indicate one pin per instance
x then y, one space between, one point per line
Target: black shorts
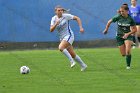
137 23
120 40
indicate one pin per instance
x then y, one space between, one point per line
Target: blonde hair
64 10
58 6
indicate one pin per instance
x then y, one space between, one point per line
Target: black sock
128 60
134 39
138 39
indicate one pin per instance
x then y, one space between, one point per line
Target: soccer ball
24 70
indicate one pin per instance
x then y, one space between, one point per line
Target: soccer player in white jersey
60 22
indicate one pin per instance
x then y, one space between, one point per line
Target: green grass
51 72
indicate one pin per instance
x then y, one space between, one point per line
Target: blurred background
25 24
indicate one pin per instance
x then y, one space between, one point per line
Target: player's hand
57 22
105 31
81 30
125 35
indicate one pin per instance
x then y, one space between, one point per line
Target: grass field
51 72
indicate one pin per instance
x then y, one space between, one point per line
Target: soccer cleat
127 67
73 64
83 68
133 47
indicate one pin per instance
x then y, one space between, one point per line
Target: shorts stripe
68 39
69 32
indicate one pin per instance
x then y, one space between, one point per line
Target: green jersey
123 24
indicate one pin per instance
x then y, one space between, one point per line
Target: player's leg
123 53
122 50
77 58
134 41
138 35
128 44
71 51
121 45
63 48
63 45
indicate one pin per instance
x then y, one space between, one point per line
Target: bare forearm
78 21
133 30
52 28
108 24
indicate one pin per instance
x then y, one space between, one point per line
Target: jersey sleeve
115 18
52 21
68 16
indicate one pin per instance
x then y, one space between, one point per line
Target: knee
123 55
128 53
60 48
73 55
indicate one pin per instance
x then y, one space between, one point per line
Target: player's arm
54 25
79 23
133 30
52 28
107 26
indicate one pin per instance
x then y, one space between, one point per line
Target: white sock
79 60
67 54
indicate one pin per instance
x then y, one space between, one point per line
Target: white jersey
64 27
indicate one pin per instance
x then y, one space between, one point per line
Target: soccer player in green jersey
126 27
